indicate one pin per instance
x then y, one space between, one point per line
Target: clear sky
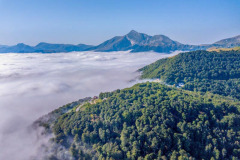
94 21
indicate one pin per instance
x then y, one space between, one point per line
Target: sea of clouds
32 85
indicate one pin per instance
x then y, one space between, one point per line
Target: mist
32 85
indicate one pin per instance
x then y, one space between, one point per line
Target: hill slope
217 72
223 49
229 42
19 48
151 121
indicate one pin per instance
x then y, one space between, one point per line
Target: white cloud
32 85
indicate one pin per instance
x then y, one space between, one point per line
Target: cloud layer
32 85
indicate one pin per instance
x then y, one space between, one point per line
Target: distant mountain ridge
43 48
229 42
60 47
134 41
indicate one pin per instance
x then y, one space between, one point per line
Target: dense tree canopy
217 72
152 121
155 121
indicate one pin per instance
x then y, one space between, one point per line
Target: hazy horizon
110 38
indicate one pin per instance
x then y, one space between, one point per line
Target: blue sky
94 21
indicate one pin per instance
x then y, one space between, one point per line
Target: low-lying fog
32 85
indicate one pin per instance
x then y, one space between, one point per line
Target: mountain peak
133 32
21 44
136 38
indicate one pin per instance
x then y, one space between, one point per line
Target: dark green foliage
48 120
202 71
152 121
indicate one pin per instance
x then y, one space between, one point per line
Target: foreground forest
150 120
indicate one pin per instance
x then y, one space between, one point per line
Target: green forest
216 72
154 121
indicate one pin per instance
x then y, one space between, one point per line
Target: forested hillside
151 121
223 49
217 72
155 121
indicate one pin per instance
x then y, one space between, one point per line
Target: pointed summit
136 37
133 32
21 44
